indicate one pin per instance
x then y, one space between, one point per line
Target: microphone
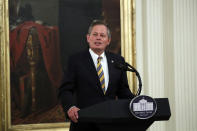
127 67
131 68
121 66
124 66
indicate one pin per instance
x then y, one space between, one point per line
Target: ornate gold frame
127 10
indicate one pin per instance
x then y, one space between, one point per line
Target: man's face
98 39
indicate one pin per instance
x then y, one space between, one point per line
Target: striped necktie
100 73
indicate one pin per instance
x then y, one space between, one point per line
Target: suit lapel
90 63
110 69
91 68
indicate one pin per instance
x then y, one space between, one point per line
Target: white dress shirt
104 65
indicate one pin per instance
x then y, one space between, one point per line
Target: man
93 77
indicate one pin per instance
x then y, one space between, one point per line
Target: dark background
74 18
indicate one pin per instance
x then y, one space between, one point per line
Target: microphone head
119 65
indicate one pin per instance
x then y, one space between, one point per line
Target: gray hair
99 22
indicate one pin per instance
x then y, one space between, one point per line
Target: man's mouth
97 43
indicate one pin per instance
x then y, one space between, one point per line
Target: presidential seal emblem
143 107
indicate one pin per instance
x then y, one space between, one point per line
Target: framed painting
36 38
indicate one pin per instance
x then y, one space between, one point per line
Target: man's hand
73 114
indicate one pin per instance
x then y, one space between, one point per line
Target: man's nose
98 37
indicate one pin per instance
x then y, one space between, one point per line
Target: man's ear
109 40
87 37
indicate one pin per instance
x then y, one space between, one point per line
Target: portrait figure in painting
43 33
35 64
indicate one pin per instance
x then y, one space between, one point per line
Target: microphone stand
132 69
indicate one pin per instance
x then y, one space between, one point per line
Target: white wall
166 42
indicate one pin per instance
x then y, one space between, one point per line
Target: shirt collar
95 56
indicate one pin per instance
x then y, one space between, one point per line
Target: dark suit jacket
81 77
